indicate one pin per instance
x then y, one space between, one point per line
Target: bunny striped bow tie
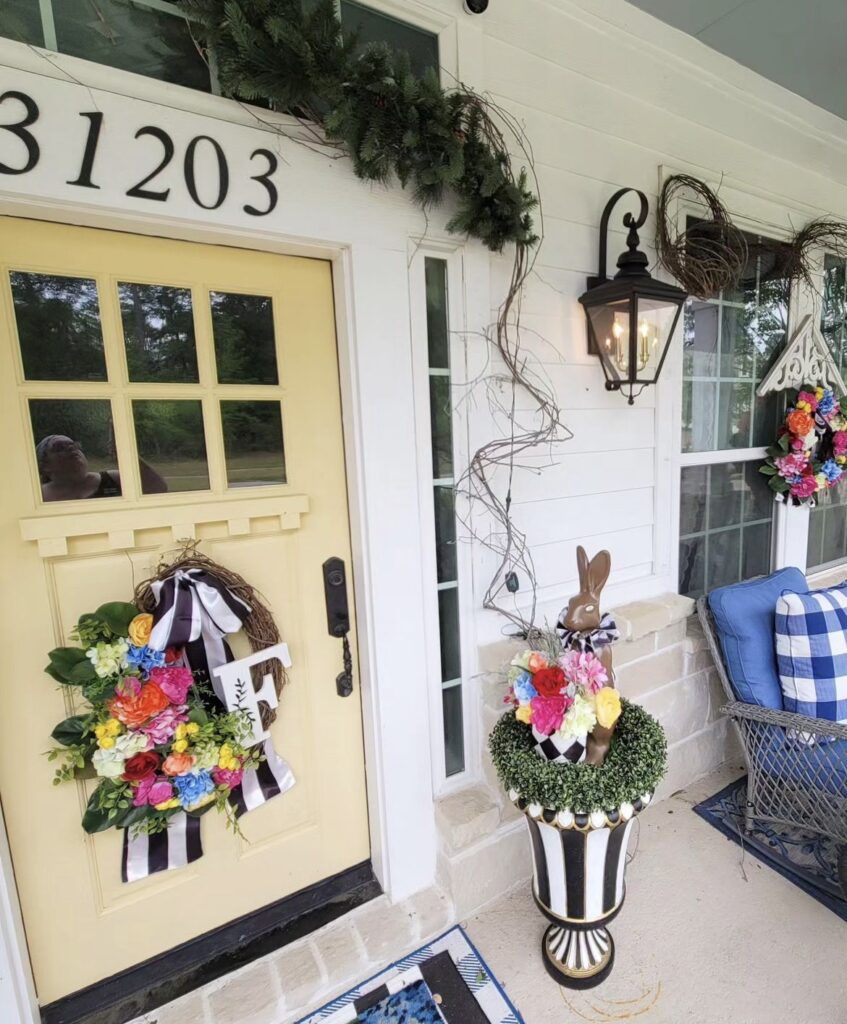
589 639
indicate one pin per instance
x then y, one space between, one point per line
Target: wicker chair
789 782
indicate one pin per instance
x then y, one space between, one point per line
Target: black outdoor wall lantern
631 317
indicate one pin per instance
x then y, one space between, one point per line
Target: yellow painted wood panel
62 558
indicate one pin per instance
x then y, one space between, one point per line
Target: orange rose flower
136 709
178 764
800 423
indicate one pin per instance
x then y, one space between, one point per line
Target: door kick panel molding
119 528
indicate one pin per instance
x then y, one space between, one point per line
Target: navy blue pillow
745 616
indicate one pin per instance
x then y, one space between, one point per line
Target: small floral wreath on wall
810 453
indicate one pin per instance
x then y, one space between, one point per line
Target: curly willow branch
396 126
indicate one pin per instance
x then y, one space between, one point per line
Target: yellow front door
154 390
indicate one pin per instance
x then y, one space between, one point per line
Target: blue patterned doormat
401 986
804 858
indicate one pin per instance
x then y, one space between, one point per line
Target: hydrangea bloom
579 720
548 712
524 690
193 787
585 669
832 471
144 658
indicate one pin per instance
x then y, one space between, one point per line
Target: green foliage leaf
63 660
72 730
117 615
198 715
81 673
96 817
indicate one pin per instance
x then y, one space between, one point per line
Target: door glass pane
171 445
245 347
253 443
158 323
131 36
20 20
374 27
448 615
445 533
74 448
58 320
438 337
454 740
441 412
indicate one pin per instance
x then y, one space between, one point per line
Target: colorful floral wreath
152 733
810 454
565 694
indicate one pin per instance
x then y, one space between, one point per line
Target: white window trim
756 215
454 257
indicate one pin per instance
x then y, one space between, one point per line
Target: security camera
476 6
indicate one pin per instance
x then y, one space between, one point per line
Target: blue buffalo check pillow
811 653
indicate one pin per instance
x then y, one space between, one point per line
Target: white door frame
364 232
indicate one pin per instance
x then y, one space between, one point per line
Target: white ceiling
800 44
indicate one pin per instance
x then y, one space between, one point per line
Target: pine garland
293 55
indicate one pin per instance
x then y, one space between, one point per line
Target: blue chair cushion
811 652
745 615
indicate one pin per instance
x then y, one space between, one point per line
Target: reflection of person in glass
65 475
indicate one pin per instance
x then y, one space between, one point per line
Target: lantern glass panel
610 324
654 324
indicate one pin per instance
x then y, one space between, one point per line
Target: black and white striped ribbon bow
588 639
194 611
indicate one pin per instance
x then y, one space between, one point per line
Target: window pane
445 533
448 618
158 324
74 448
442 428
693 491
737 354
758 497
698 415
436 314
757 550
373 27
253 443
692 566
723 562
725 491
171 445
128 35
454 740
245 347
58 321
21 20
735 406
834 309
700 339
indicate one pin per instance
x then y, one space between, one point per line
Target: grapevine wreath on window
158 725
810 453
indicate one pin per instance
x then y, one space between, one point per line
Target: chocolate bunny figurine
582 627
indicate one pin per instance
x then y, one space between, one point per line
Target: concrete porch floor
702 937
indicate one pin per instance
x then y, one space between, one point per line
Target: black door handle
338 619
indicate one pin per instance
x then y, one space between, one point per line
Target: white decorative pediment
806 360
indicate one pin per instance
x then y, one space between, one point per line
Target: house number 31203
149 186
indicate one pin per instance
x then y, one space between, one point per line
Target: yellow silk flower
140 629
608 705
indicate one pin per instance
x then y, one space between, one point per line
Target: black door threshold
172 974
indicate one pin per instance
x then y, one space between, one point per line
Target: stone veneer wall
663 663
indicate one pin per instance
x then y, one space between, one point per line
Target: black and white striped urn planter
579 861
